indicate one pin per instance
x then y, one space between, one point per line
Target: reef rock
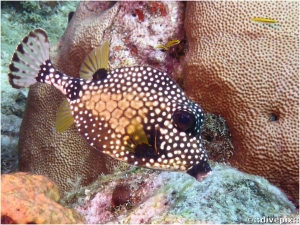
248 72
134 30
224 196
27 199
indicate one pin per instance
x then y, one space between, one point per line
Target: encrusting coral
216 138
27 198
65 156
248 72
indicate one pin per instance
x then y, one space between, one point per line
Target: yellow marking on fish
263 20
136 134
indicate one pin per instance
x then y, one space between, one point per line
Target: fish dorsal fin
64 117
96 60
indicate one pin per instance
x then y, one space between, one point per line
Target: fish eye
184 120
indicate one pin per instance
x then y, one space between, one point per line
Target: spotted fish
136 114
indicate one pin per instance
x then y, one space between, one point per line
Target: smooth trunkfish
137 114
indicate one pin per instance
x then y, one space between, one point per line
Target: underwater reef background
129 195
40 147
17 19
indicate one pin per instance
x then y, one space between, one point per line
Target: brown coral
121 194
65 155
30 198
84 33
60 156
248 72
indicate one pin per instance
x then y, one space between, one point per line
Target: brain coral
60 156
248 72
30 198
84 33
43 150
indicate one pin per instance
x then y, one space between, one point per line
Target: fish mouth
200 170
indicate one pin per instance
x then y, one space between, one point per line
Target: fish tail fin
30 54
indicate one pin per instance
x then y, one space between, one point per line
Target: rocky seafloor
134 195
140 195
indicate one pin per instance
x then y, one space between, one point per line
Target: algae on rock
225 196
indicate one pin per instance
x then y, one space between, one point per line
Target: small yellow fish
172 43
162 47
263 20
169 44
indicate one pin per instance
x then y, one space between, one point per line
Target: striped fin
97 59
64 117
30 54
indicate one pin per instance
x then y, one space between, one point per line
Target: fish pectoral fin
64 117
94 61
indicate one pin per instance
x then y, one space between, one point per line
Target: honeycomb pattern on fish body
106 108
